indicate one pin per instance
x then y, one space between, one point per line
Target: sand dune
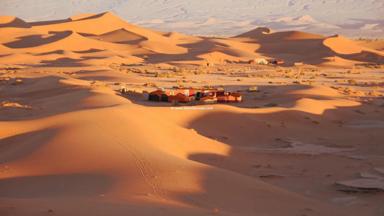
72 144
80 33
256 33
122 36
265 34
120 165
342 45
68 40
82 16
10 21
373 44
311 48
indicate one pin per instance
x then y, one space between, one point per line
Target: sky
353 18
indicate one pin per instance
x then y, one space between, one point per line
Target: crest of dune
267 35
111 24
348 52
342 45
217 57
256 33
121 36
11 21
4 49
175 35
82 16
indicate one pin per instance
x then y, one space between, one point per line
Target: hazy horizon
348 17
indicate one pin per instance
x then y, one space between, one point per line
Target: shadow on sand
46 96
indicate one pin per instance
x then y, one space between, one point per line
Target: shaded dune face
17 147
54 186
37 40
121 36
44 92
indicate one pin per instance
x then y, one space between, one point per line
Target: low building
229 98
276 61
209 99
180 98
186 95
155 95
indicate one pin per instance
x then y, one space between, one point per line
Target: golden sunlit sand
307 139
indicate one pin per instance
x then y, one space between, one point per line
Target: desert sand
307 141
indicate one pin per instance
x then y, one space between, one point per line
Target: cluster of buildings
186 95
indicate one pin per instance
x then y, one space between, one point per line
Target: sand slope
97 147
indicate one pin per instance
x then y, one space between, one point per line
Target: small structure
180 98
209 99
229 98
155 95
276 61
259 61
184 91
186 95
253 89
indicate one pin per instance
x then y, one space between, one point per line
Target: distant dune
353 18
108 32
9 21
